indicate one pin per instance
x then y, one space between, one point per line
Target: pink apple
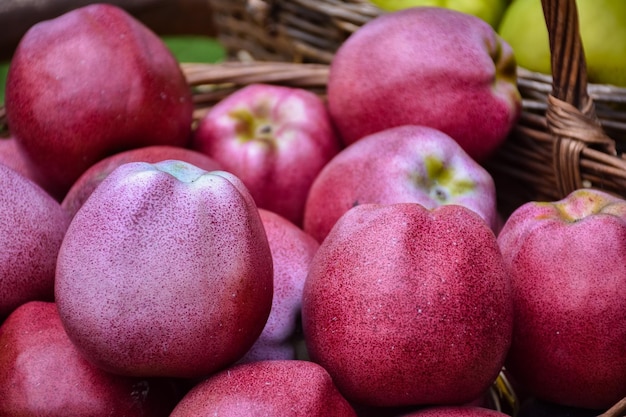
292 251
94 175
281 388
32 226
567 263
165 271
43 374
90 83
276 139
399 165
427 66
408 306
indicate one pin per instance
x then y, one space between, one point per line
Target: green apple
490 11
602 29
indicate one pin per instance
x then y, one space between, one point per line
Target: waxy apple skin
165 271
407 306
90 83
398 165
292 251
42 373
290 388
276 139
426 66
32 227
566 261
95 174
456 411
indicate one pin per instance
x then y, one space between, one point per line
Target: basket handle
571 115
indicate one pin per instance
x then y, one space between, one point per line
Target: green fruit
602 29
490 11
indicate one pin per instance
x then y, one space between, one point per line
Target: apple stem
618 410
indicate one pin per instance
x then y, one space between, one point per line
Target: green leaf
4 69
195 48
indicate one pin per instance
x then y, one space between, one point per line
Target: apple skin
566 261
165 271
426 66
32 227
92 82
280 388
42 373
13 157
399 165
408 306
93 176
456 411
292 251
276 139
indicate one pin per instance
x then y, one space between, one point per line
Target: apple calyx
583 203
440 181
181 170
254 124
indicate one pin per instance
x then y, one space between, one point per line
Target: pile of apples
290 255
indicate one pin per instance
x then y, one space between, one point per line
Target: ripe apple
399 165
165 271
276 139
32 226
490 11
456 411
292 251
408 306
266 388
94 175
42 373
13 157
600 21
566 262
427 66
90 83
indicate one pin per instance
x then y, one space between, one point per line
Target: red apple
427 66
281 388
42 374
567 263
456 411
165 271
13 157
408 306
94 175
398 165
90 83
32 226
292 251
276 139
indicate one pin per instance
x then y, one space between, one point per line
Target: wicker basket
571 134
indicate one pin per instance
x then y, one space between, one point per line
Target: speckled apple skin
163 275
292 251
428 66
93 176
90 83
42 374
13 157
408 306
390 167
32 226
456 411
566 261
280 168
280 388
